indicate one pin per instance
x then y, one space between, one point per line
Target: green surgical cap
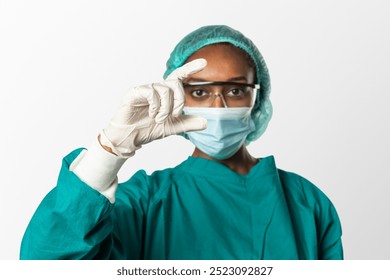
214 34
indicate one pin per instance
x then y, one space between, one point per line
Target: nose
218 101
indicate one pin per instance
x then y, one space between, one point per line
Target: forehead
224 62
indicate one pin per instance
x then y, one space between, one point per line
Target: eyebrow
218 83
195 80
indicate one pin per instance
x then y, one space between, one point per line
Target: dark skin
224 63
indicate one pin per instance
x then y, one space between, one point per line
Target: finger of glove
188 69
146 96
178 97
123 111
186 123
166 101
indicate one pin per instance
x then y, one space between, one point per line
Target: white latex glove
152 112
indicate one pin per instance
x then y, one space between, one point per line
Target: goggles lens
203 94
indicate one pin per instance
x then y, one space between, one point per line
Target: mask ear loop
221 96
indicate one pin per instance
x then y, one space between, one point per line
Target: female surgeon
220 203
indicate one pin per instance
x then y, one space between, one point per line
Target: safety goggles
232 94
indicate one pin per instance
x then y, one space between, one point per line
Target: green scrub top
200 209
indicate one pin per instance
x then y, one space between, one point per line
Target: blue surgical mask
227 129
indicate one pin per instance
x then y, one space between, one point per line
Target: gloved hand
152 112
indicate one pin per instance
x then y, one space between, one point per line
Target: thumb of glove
185 123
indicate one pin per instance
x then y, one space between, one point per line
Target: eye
236 93
198 93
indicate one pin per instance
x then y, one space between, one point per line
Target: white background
65 64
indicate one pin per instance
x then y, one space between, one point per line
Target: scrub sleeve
74 222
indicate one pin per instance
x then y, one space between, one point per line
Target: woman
220 203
